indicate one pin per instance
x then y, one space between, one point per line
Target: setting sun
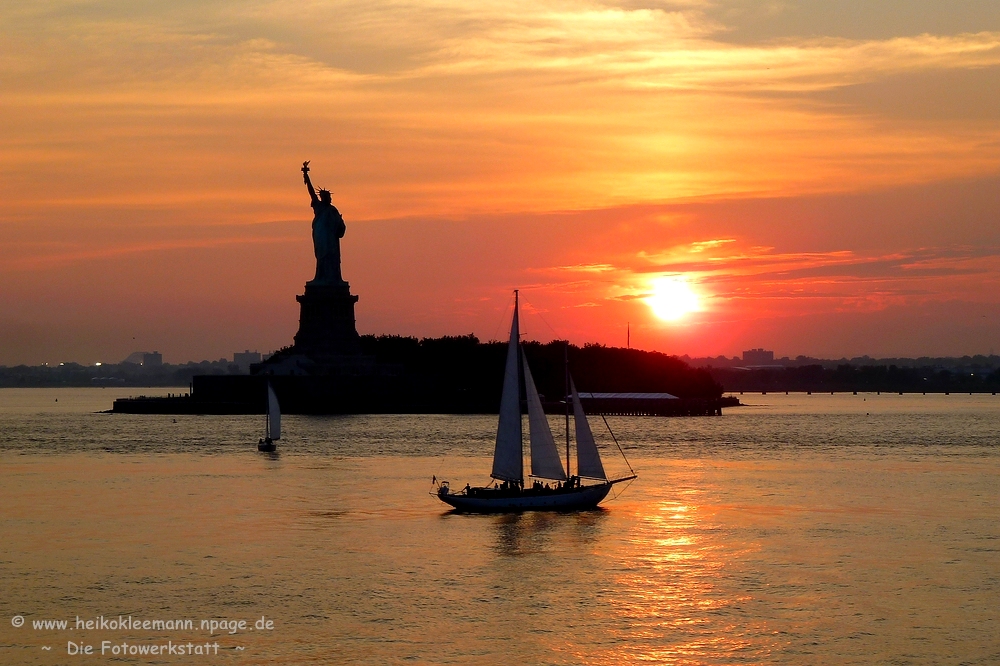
672 298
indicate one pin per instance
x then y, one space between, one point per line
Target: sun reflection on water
672 607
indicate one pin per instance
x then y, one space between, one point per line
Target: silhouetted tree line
857 378
463 364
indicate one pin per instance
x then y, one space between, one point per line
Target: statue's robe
327 228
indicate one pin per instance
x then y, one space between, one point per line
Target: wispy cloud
587 268
762 277
701 246
48 258
444 107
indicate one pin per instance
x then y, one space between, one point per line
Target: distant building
758 357
145 359
245 358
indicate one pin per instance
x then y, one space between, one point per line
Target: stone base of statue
326 322
327 342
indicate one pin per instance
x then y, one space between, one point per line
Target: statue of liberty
327 229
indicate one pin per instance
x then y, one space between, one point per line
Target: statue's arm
309 185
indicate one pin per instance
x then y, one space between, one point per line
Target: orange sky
826 179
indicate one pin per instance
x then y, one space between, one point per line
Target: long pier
243 394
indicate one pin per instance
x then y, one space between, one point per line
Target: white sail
273 415
545 461
507 456
588 459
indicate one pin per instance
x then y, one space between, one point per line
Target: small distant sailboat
509 492
272 422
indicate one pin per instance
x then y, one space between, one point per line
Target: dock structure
242 394
653 404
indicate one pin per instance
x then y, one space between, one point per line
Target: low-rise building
243 359
758 356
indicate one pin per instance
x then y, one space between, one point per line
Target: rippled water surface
797 529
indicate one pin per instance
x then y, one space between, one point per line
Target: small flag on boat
434 479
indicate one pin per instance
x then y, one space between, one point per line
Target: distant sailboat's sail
545 461
273 415
588 459
507 457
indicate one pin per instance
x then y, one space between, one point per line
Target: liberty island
329 370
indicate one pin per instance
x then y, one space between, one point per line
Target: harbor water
819 529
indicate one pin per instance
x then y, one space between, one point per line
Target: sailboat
509 491
272 422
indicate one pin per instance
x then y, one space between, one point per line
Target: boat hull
571 499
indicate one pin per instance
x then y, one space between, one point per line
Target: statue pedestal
326 322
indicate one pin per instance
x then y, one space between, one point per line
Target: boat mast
566 400
520 382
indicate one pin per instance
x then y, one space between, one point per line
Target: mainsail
588 459
545 461
507 462
273 415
